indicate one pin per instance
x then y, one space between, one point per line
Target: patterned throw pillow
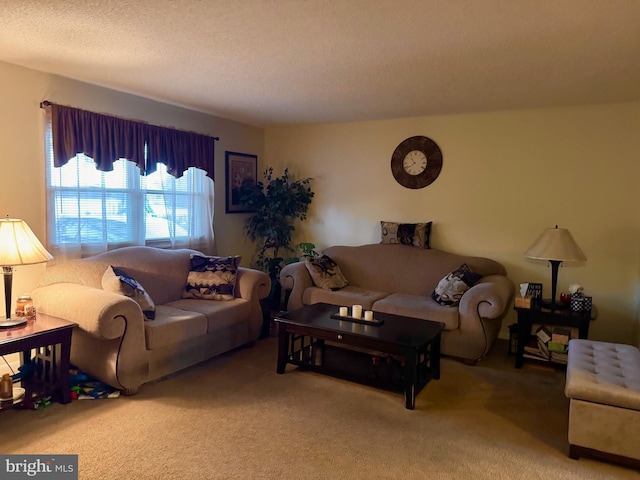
325 273
450 289
212 278
117 281
415 234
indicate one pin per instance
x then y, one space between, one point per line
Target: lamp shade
19 245
556 244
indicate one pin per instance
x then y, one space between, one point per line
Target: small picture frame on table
241 171
535 290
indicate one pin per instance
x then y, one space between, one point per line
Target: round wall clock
416 162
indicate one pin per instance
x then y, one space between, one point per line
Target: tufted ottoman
603 385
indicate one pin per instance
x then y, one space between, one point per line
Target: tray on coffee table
375 322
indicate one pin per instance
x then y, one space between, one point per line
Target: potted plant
277 202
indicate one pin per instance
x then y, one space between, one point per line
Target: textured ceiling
267 62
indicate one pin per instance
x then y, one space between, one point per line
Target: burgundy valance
106 139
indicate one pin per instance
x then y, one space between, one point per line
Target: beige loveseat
115 344
603 385
399 279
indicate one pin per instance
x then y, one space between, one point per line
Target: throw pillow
325 273
117 280
212 278
415 234
450 289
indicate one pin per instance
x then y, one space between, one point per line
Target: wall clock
416 162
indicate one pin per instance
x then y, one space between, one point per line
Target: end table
45 343
527 317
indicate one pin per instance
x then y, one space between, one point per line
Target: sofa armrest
295 277
251 283
481 310
109 342
101 313
490 298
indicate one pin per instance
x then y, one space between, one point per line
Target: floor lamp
18 246
555 245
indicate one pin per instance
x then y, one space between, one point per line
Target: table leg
283 348
27 383
524 330
65 351
410 379
435 357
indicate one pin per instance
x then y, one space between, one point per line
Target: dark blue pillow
450 289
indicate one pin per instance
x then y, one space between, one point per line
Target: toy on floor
84 387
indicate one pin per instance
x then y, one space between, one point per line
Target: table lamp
555 245
18 246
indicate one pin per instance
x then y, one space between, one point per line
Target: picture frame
241 169
535 290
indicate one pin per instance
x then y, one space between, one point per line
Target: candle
356 311
343 311
368 315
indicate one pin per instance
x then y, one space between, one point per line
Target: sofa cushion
212 278
325 273
219 315
450 289
346 296
414 234
416 306
116 280
173 325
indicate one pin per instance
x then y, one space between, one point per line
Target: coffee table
303 334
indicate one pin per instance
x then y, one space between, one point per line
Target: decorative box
587 302
580 302
523 302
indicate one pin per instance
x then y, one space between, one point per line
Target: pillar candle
356 311
343 311
368 315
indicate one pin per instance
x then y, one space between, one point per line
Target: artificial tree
277 203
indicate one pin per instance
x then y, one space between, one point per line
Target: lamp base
551 305
11 322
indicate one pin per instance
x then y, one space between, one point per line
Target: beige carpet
234 417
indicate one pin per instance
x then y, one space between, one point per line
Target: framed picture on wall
241 171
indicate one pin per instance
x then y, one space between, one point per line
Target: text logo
50 467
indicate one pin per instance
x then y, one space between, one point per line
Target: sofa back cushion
162 272
403 269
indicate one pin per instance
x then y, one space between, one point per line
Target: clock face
415 162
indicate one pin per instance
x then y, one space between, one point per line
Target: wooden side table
543 316
45 343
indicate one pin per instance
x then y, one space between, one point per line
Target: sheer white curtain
90 211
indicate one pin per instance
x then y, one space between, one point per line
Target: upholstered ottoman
603 385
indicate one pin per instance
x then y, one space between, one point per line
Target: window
90 211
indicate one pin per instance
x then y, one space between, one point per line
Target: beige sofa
603 385
399 279
115 344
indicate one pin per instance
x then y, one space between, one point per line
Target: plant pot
274 299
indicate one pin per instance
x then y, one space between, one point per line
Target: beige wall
22 192
506 176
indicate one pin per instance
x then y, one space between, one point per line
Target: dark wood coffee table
303 333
